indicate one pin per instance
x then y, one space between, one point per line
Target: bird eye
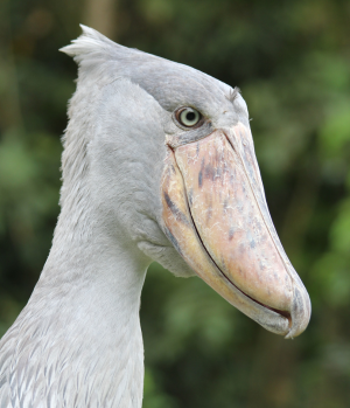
188 117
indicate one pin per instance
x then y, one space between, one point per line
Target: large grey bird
158 164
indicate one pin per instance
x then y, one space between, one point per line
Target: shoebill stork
158 165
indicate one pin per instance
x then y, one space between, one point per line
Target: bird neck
81 323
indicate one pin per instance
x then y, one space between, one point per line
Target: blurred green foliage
292 63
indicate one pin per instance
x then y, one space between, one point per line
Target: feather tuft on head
90 44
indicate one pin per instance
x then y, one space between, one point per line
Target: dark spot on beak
252 244
225 205
231 233
173 240
218 171
241 272
210 172
179 215
241 249
200 175
231 179
190 196
200 179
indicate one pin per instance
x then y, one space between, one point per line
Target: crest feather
90 44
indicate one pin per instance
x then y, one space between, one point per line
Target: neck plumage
78 341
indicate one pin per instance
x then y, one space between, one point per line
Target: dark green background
291 60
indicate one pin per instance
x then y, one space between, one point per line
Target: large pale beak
216 216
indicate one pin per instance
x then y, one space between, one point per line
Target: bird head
170 154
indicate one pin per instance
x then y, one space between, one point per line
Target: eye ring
188 117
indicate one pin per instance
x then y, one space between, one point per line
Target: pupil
190 116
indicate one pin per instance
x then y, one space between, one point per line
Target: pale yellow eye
188 117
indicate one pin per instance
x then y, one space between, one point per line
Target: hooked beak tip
300 314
